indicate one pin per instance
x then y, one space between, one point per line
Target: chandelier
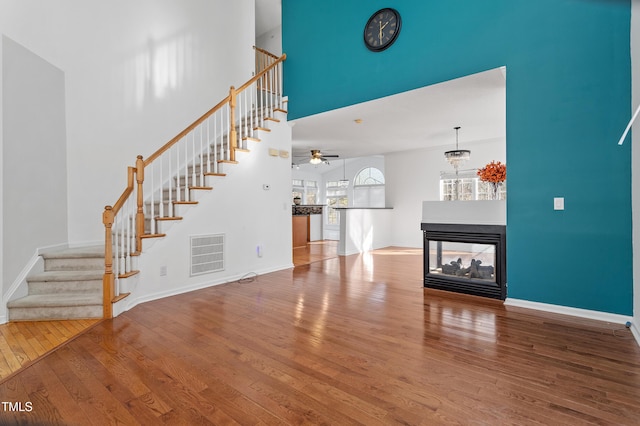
457 157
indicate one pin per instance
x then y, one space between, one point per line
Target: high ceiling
268 15
421 118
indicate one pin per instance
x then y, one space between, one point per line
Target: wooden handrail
127 192
136 176
207 114
185 132
108 216
265 52
262 73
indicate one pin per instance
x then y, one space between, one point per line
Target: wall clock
382 29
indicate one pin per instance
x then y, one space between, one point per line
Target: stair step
66 282
145 236
55 306
83 258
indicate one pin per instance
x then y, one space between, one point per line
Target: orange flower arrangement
494 172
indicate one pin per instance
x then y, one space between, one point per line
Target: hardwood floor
349 340
22 343
315 251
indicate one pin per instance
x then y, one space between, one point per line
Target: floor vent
207 254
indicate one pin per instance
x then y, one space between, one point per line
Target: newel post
232 117
108 287
140 201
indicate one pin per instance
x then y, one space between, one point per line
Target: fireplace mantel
485 212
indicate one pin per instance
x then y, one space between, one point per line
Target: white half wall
363 230
414 176
34 162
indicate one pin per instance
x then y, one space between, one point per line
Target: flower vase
494 192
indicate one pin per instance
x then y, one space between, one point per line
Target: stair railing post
108 287
232 118
140 211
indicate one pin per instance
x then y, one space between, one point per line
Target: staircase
85 283
69 288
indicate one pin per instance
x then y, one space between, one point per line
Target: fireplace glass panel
463 260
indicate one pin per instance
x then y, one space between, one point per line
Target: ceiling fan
317 157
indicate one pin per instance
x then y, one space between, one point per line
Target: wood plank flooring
315 251
349 340
22 343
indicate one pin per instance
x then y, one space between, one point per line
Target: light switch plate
558 203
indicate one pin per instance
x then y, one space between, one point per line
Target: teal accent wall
568 101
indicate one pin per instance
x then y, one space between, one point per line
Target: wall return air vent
207 254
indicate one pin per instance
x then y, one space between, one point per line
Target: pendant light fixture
344 182
457 157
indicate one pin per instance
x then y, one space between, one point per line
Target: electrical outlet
259 250
163 271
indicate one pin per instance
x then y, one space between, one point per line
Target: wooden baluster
107 278
232 122
140 214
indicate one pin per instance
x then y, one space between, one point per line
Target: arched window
368 188
369 176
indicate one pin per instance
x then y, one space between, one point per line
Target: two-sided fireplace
466 258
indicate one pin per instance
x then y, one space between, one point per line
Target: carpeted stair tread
59 276
56 300
79 252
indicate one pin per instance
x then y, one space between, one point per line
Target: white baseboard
132 301
635 331
581 313
575 312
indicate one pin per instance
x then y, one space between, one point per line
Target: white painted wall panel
34 161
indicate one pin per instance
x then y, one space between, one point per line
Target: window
469 186
311 192
369 176
297 188
336 197
368 188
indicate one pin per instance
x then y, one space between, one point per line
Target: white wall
238 207
635 163
414 177
137 73
271 41
34 164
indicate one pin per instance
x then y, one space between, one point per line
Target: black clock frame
393 38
